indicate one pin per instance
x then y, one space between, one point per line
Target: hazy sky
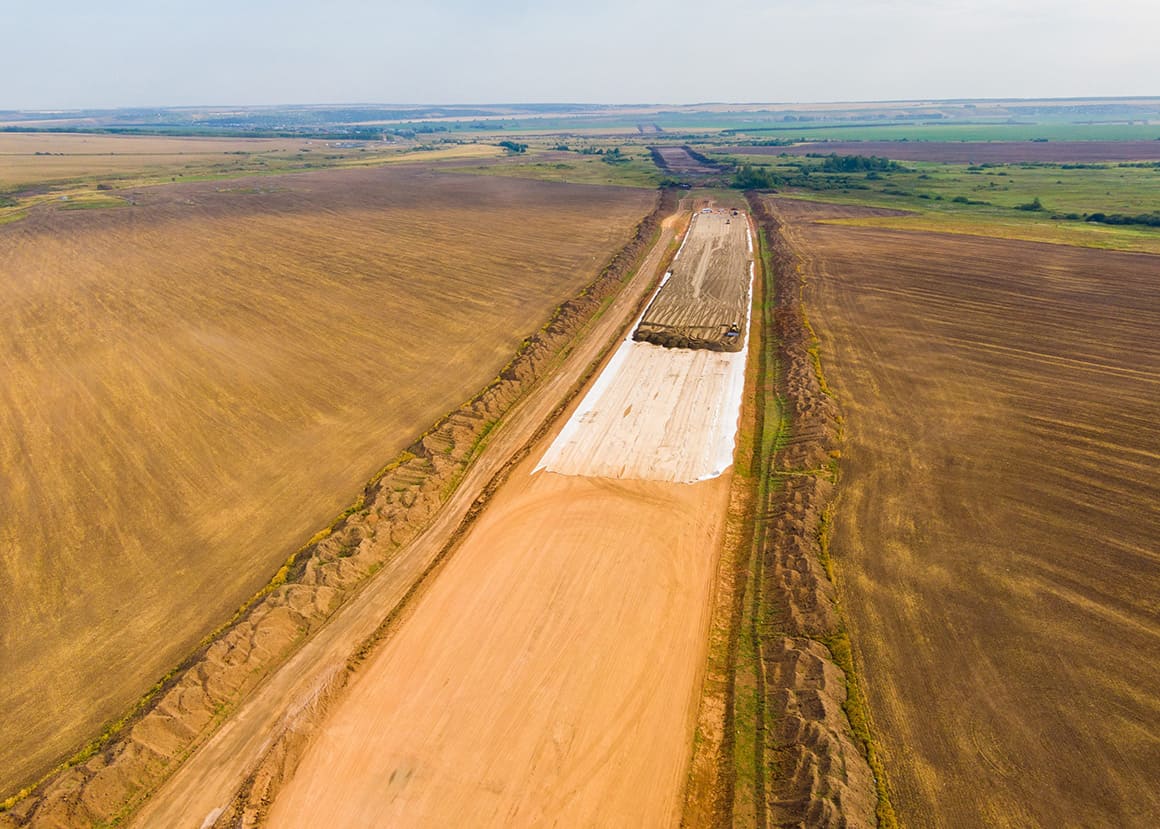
94 53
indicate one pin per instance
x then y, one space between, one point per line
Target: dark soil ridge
820 774
716 337
104 783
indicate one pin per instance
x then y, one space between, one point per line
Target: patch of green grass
636 171
858 714
992 199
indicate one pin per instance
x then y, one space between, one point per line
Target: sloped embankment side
822 777
110 779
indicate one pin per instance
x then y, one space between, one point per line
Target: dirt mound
823 777
393 509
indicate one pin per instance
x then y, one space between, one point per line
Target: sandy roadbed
208 781
548 677
551 673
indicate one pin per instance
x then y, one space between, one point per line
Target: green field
928 131
989 199
575 168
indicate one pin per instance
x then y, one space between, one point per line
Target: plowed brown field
996 533
193 386
38 158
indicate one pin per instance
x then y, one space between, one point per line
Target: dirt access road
680 161
551 673
209 779
549 676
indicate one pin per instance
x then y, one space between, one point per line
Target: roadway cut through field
670 414
550 673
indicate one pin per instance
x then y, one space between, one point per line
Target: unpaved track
548 677
209 779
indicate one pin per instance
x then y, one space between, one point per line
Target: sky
68 54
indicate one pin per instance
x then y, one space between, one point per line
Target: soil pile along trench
811 769
373 535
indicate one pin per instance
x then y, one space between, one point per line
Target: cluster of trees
834 163
748 177
513 146
1145 219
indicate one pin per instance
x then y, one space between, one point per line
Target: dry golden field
35 158
195 384
77 163
996 529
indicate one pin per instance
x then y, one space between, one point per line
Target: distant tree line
748 177
1145 219
834 163
769 142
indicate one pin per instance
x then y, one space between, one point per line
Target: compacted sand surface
550 675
